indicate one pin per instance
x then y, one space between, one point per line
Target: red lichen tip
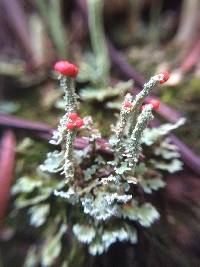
79 123
166 76
128 104
73 116
70 125
75 121
66 68
155 103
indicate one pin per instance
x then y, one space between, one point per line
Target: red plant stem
7 164
192 58
126 70
81 143
9 120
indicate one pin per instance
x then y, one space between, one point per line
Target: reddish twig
7 164
192 58
124 67
9 120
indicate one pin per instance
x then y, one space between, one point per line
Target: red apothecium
75 121
79 123
66 68
166 76
127 104
73 116
70 125
155 103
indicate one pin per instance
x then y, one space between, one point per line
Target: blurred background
142 37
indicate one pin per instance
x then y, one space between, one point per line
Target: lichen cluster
98 194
